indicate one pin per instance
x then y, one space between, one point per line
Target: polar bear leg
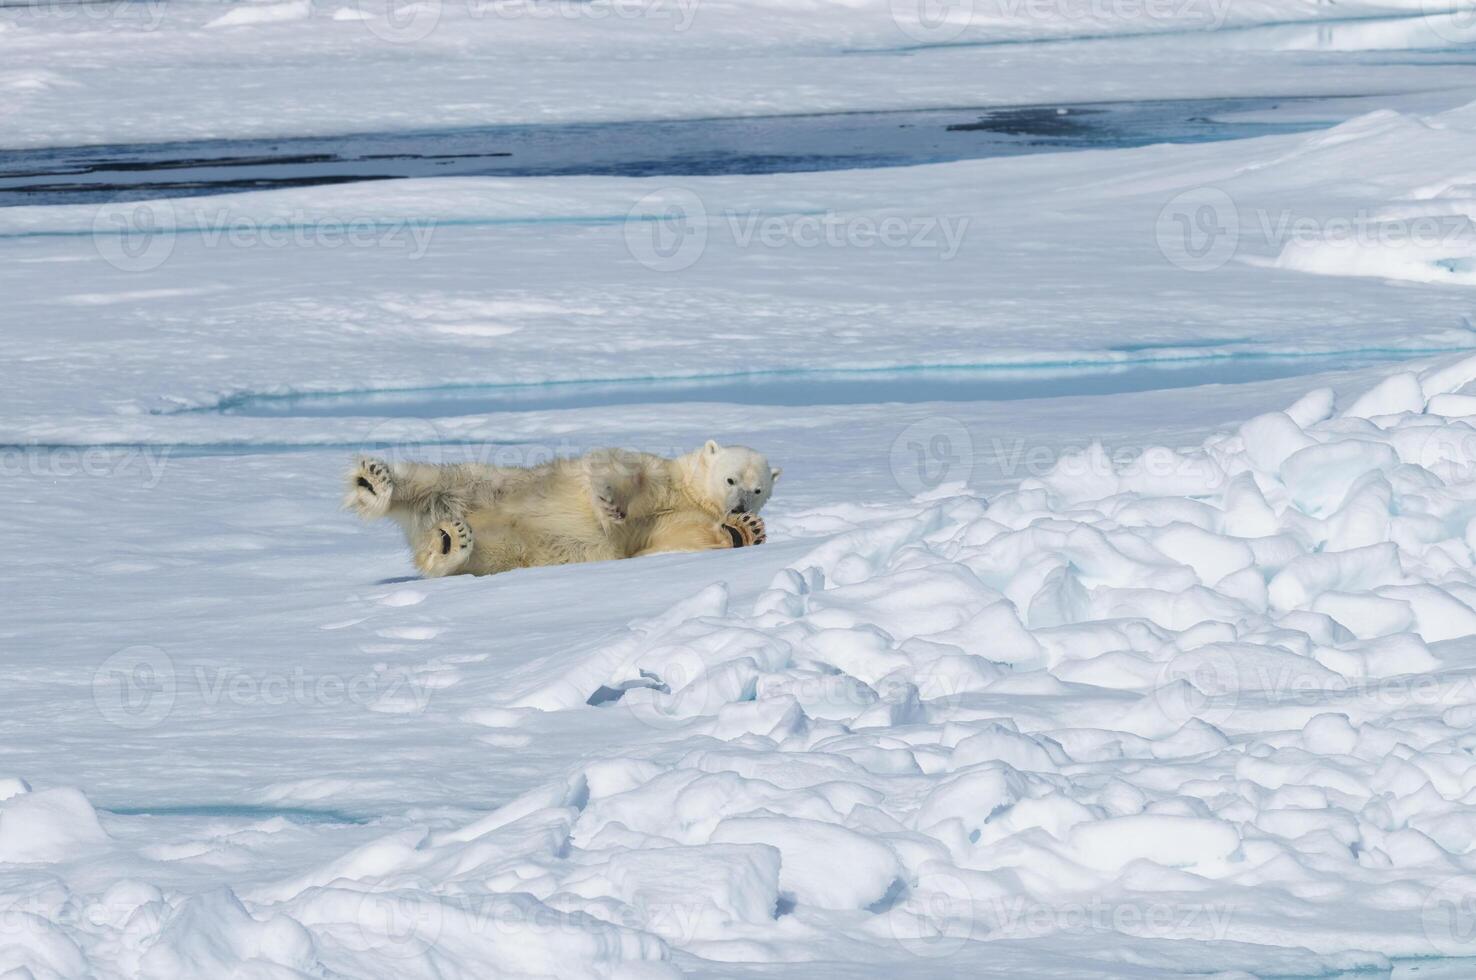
617 480
609 503
371 487
444 550
737 531
686 537
420 495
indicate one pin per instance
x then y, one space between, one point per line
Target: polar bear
472 518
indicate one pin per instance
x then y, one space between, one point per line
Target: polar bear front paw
370 488
447 547
745 529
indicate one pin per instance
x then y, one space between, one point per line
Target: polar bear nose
740 508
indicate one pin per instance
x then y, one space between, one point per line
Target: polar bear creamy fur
472 518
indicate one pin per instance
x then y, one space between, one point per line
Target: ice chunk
1359 569
210 934
686 893
1173 841
1452 406
823 864
1212 556
1319 477
1315 406
46 826
1269 439
906 603
996 743
1365 615
1246 513
1329 734
865 652
1448 378
1438 615
1395 394
995 633
972 797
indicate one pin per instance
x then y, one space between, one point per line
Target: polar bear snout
746 499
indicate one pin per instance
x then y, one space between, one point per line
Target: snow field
367 65
241 328
1187 697
1194 710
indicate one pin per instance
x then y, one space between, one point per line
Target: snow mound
47 826
1424 233
263 13
1180 676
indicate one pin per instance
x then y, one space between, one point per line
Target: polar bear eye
731 481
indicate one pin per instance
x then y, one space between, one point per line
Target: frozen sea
1117 616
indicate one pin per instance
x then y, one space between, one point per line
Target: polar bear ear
712 447
774 474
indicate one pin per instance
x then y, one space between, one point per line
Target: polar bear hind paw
608 508
448 546
745 529
370 488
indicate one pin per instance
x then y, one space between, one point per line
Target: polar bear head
734 479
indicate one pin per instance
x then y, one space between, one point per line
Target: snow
158 71
1149 684
809 853
43 827
919 727
262 13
